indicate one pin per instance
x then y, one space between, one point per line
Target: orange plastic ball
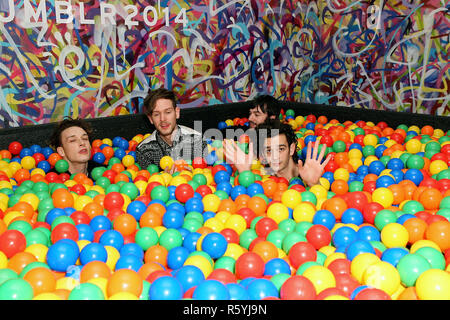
266 250
125 223
258 205
150 219
94 269
156 253
430 198
20 260
416 229
336 206
124 280
41 280
439 233
93 209
62 198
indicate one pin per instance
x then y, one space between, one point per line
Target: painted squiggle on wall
100 58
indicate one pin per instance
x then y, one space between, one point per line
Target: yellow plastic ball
291 198
304 212
30 198
113 256
3 260
128 160
321 277
433 284
28 162
67 283
38 250
360 263
215 224
47 296
81 202
383 196
370 140
234 251
211 202
437 166
341 174
413 146
278 212
394 235
123 296
237 223
333 256
200 262
424 243
382 275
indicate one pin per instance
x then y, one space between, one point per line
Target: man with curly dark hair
71 139
277 147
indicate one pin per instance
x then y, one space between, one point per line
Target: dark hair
154 95
267 104
273 128
55 138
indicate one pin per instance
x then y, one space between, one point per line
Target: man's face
75 146
256 116
277 152
164 117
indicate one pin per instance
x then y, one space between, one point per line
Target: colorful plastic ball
184 192
211 202
343 236
16 289
357 247
275 266
439 233
211 290
382 275
93 252
112 238
62 254
259 289
237 292
353 216
434 257
278 212
321 278
433 284
415 175
189 277
248 265
136 208
214 244
393 255
173 219
246 178
86 291
319 236
394 235
383 196
410 267
129 261
12 242
297 288
372 294
325 218
176 257
300 253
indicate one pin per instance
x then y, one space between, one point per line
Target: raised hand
313 168
234 155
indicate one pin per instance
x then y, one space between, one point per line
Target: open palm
235 155
313 168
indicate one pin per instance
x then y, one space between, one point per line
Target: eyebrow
74 136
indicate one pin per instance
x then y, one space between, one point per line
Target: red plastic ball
340 266
300 253
372 294
113 200
184 192
265 226
249 264
371 210
12 242
80 217
319 236
15 147
297 288
64 230
230 235
223 275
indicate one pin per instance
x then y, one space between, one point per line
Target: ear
61 152
177 112
292 148
272 117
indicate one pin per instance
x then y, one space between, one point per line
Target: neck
169 138
78 167
289 172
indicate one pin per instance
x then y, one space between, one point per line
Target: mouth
83 151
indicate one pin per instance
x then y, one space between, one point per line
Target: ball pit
375 227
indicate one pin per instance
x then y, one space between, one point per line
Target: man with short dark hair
278 149
264 108
169 138
71 139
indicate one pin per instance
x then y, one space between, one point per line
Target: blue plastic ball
259 289
237 291
100 223
176 257
44 165
112 238
221 176
368 233
136 208
395 164
53 214
25 152
47 151
99 158
376 167
357 290
211 290
362 170
129 261
177 206
352 215
275 266
62 254
393 255
189 276
93 252
132 248
85 232
173 219
119 153
190 241
343 236
225 186
208 215
415 175
397 174
404 217
357 247
384 181
35 148
194 204
325 218
254 189
165 288
237 191
214 244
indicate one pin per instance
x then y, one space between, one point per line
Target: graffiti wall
96 58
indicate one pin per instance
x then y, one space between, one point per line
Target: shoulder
150 139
